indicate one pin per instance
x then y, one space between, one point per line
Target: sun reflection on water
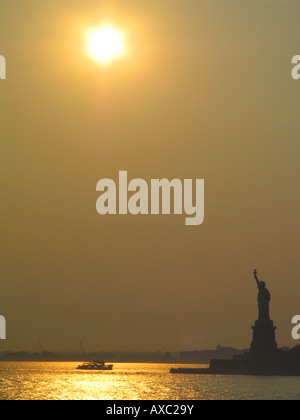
61 381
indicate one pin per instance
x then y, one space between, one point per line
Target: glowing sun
106 44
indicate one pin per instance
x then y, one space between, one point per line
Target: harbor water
61 381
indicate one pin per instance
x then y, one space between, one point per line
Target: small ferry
95 366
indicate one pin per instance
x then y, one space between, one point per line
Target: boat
95 366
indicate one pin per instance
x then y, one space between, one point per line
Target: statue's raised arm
256 278
264 298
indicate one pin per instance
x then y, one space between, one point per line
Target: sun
106 44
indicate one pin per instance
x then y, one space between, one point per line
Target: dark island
264 357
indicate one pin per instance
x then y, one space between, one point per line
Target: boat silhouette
95 366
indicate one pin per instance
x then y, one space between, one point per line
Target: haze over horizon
205 92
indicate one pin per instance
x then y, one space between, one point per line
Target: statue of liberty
264 299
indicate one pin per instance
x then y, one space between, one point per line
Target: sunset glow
106 44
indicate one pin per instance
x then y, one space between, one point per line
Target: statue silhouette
264 299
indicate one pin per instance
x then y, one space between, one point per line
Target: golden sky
205 91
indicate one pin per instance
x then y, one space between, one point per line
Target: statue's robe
264 299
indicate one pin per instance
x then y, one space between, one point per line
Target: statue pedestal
264 340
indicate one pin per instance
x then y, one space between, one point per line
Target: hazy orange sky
205 92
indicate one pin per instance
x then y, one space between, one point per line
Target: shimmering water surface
61 381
